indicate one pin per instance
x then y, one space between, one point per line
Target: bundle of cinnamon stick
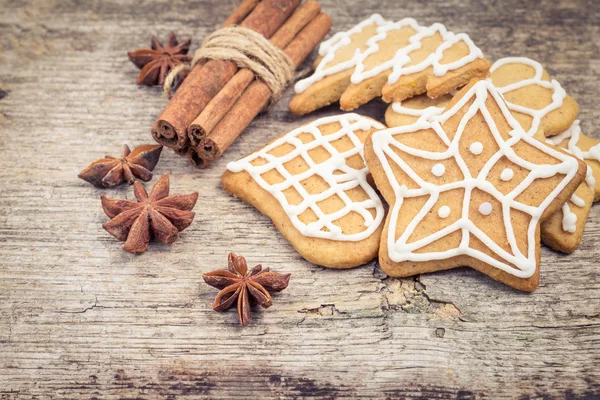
217 100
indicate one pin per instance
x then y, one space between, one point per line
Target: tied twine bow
247 49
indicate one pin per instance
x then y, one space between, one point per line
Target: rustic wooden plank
79 318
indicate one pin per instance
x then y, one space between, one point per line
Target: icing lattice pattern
515 262
345 179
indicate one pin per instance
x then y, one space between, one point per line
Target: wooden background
80 318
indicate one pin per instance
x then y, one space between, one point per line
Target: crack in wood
325 310
410 295
86 309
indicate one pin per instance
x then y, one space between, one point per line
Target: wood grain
80 318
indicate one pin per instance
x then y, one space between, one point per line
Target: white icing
476 148
338 183
485 208
359 72
329 48
444 211
424 114
594 152
589 177
402 57
507 174
438 170
578 201
558 93
573 134
569 221
514 261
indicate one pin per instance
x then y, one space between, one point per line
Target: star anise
156 62
157 216
111 171
237 283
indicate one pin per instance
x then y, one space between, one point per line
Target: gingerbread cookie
542 107
436 62
584 148
398 60
536 101
418 108
468 188
334 67
312 182
564 230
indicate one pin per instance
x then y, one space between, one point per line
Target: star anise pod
156 62
157 216
111 171
236 283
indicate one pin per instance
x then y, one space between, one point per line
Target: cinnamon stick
219 106
254 98
241 12
226 98
203 83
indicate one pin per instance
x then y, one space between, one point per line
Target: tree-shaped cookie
435 62
399 60
468 188
334 67
312 182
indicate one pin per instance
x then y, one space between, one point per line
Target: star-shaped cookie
469 188
543 108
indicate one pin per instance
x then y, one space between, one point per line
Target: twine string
247 49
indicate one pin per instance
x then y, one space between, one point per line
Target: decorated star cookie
470 188
543 108
312 182
397 59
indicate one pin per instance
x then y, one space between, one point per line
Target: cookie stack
546 112
476 177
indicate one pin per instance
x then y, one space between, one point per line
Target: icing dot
485 208
507 174
438 169
476 148
444 211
